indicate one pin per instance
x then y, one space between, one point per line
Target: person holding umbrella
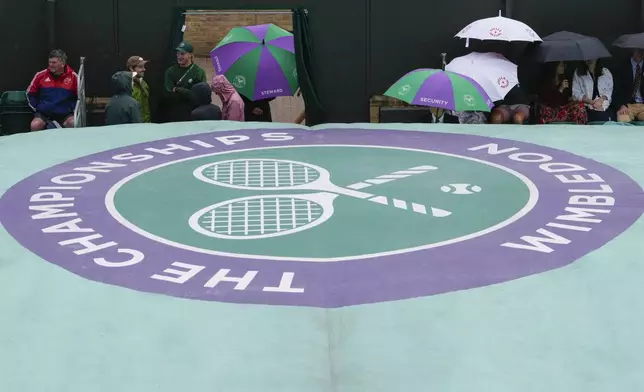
592 84
232 104
555 103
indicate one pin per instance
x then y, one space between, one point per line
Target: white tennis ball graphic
461 189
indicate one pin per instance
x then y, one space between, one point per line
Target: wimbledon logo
239 81
272 215
404 90
319 218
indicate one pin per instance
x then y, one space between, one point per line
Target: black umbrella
567 46
630 41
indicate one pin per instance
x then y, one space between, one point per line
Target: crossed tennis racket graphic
271 215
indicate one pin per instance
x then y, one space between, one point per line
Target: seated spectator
514 108
53 93
629 89
555 103
179 80
232 104
470 117
592 84
205 109
141 90
122 107
259 111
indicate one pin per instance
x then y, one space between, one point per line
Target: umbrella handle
439 112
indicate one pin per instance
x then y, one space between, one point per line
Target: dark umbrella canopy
567 46
630 41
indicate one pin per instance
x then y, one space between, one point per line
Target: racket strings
259 173
262 216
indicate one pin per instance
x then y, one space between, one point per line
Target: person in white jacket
592 84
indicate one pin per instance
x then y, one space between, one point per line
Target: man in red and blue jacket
53 93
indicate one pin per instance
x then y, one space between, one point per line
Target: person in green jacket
141 90
179 79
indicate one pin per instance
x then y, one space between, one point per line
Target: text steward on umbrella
267 92
217 63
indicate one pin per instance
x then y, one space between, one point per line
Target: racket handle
415 207
392 177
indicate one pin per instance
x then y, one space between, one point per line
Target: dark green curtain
179 20
159 104
304 59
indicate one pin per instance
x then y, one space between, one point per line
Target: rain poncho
233 105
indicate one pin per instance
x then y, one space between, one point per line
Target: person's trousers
597 116
635 112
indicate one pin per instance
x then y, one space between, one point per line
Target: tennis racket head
264 216
262 174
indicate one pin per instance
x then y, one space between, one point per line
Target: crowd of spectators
187 95
581 93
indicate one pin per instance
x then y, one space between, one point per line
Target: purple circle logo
327 218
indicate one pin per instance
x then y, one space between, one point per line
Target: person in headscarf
232 104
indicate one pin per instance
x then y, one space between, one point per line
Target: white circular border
111 208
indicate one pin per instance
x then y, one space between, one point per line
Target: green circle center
416 199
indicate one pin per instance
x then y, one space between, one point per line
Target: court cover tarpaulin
347 257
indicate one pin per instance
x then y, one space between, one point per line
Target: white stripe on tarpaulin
417 208
391 177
